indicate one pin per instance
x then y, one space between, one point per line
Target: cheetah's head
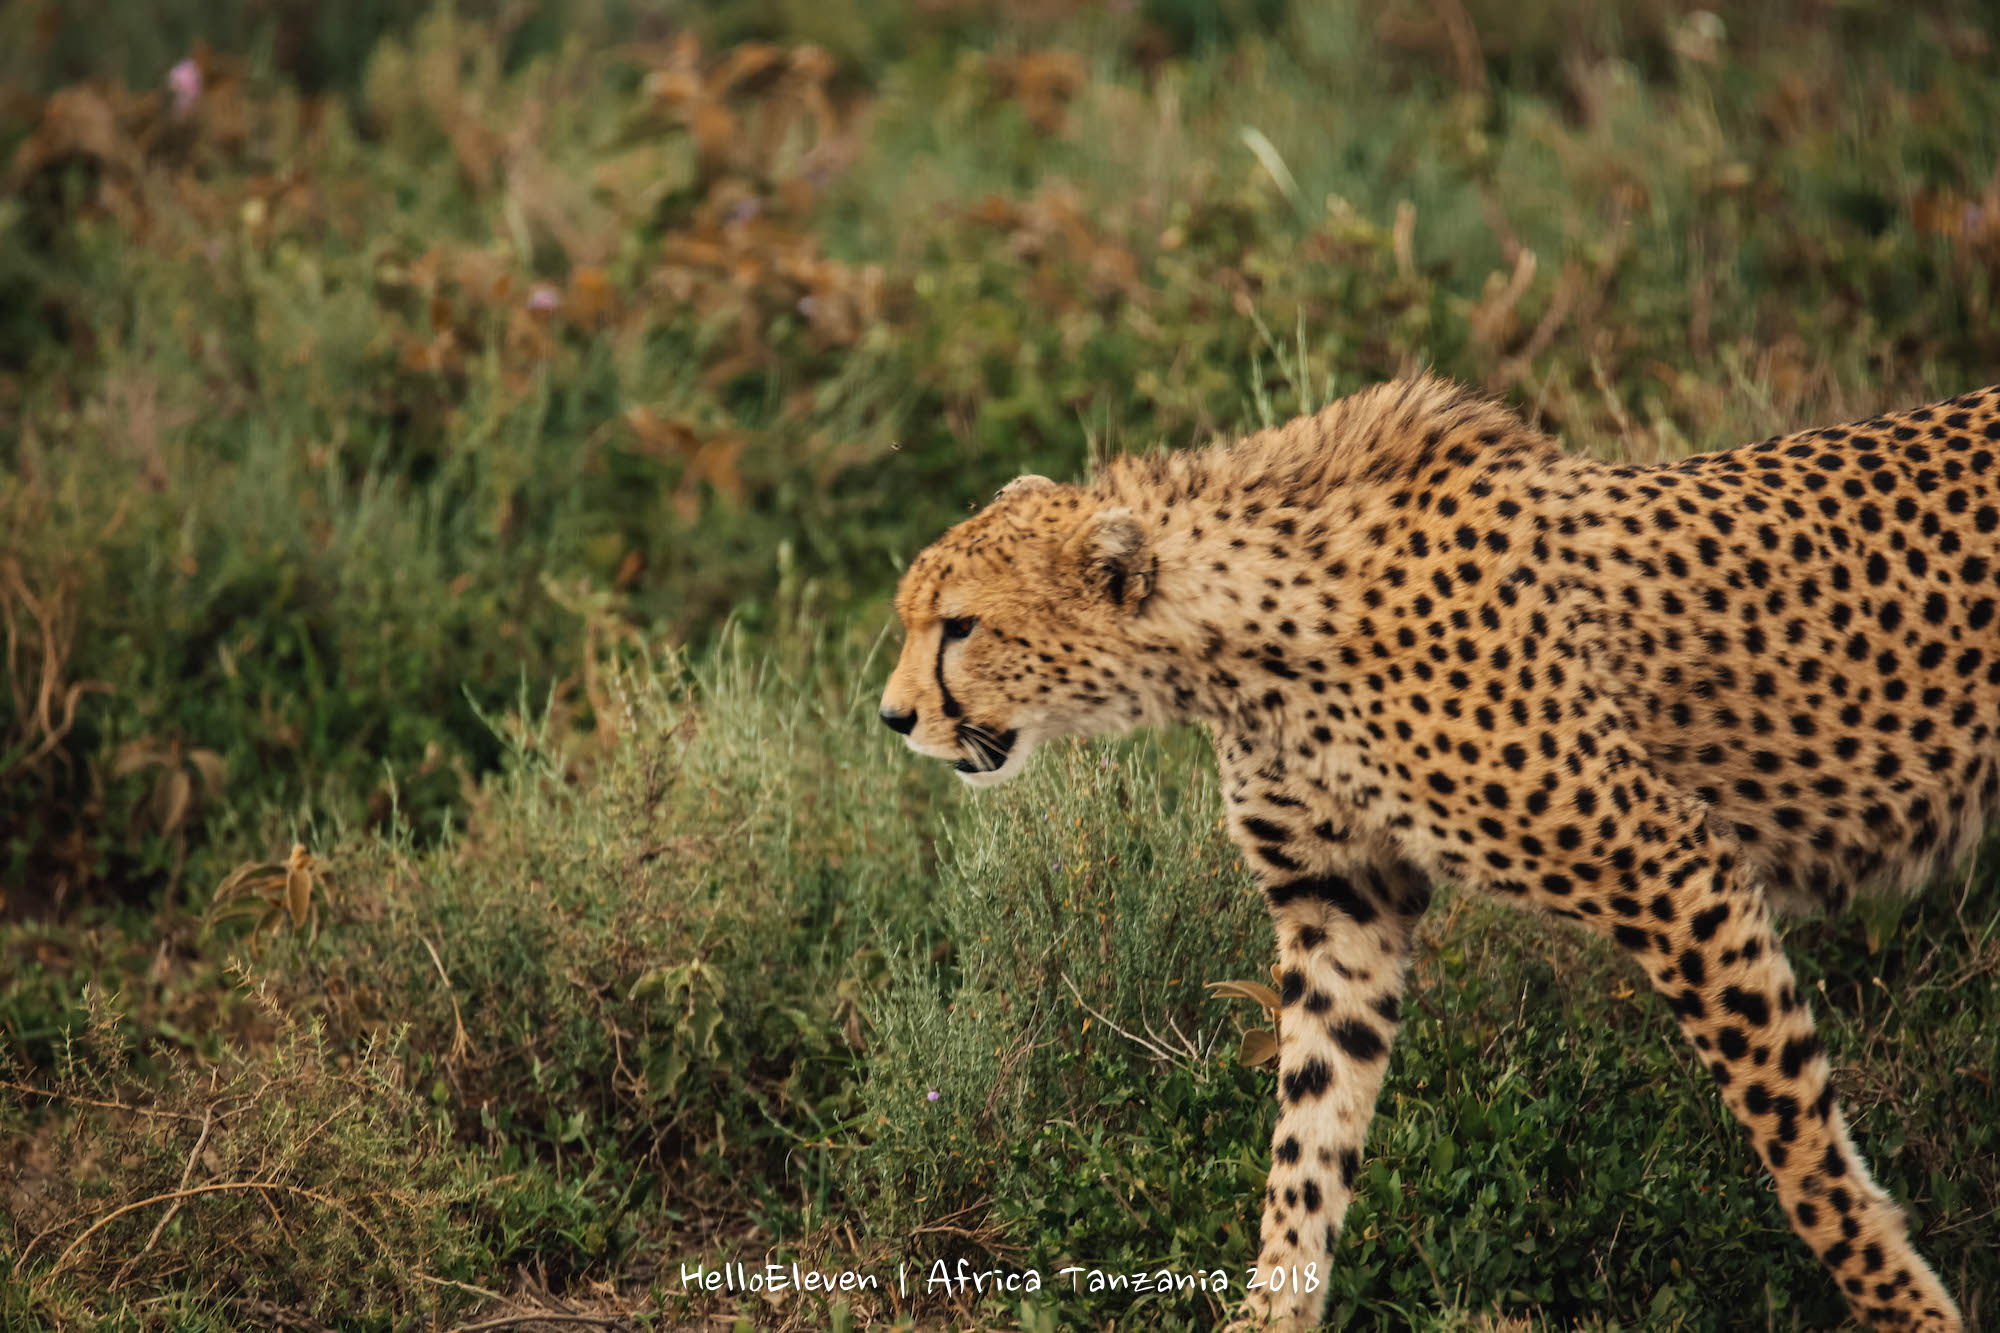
1017 629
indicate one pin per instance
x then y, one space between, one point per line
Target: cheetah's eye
959 626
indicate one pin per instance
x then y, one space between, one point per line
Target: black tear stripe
951 708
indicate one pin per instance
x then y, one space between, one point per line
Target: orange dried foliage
758 112
590 300
738 252
724 153
705 456
40 632
1054 233
1971 225
148 157
1043 82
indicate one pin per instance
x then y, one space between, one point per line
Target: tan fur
1431 645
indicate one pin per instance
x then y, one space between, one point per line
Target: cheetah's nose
900 723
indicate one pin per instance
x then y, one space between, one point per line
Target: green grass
478 443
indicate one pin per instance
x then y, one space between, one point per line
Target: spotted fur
1431 645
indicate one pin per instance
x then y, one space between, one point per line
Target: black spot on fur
1358 1039
1749 1005
1333 890
1308 1080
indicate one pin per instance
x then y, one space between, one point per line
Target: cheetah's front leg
1343 940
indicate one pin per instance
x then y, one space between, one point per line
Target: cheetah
1659 701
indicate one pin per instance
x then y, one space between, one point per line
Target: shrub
648 967
295 1178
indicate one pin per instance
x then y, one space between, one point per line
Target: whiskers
985 751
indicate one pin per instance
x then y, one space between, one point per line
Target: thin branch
273 1315
1466 52
537 1317
1562 303
62 1259
460 1042
521 1317
92 1101
125 1271
463 1286
316 1130
1157 1051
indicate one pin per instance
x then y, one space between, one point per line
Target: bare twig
984 1237
316 1130
463 1286
1196 1051
540 1317
1497 221
62 1260
1157 1051
92 1101
1612 405
1402 239
460 1042
1568 289
1491 316
939 1225
1466 53
53 711
1104 1179
125 1270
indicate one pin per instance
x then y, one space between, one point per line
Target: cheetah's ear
1029 482
1109 550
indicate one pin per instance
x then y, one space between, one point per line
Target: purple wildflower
184 82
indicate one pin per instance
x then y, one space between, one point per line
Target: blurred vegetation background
453 463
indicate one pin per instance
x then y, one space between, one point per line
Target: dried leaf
135 755
591 301
1259 1048
714 136
1245 990
273 892
744 63
673 87
245 880
629 570
298 893
214 771
171 800
715 463
78 121
665 439
1043 82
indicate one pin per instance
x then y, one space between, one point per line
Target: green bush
660 957
1096 888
